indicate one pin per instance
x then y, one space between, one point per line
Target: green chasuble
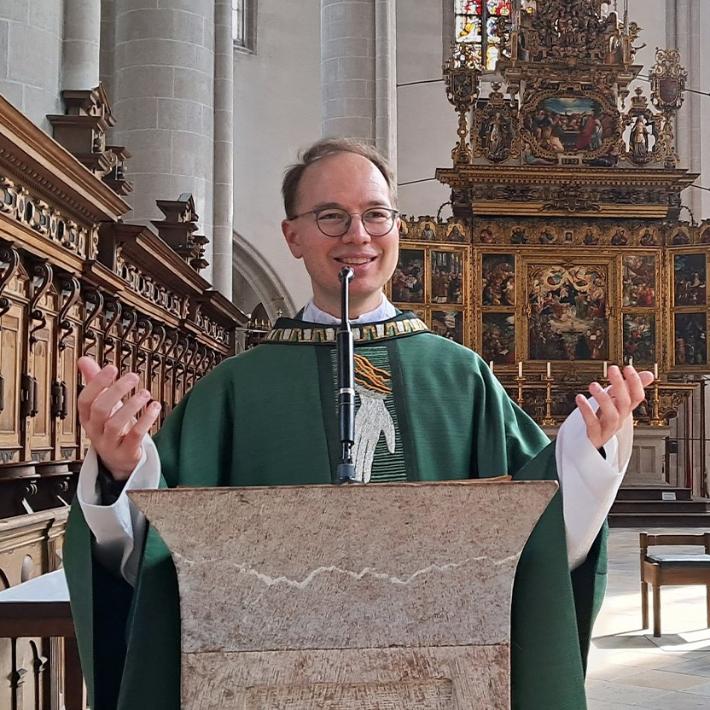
427 410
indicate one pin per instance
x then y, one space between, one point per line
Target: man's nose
356 233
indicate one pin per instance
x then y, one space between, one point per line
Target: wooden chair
672 569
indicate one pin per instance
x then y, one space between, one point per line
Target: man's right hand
112 425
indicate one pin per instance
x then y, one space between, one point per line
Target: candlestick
520 369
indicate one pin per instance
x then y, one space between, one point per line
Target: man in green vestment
428 409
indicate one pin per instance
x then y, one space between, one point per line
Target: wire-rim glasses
335 222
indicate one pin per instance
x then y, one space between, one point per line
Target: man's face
352 183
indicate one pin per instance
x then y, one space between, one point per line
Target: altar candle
631 362
490 364
520 369
606 368
655 370
549 370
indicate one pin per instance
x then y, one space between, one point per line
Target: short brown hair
332 146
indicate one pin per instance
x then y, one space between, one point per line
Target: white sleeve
588 481
119 529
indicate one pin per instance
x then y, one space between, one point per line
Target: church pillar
163 100
80 51
223 148
358 71
688 42
107 47
386 78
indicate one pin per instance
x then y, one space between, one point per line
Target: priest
427 410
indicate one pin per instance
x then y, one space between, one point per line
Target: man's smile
355 260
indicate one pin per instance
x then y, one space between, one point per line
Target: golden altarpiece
565 252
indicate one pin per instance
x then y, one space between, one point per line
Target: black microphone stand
346 384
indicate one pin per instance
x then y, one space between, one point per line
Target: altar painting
408 278
640 338
639 282
568 319
691 339
569 124
690 280
446 277
498 277
498 338
448 324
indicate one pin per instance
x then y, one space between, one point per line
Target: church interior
553 181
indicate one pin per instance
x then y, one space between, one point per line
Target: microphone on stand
346 384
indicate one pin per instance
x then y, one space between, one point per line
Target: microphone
346 383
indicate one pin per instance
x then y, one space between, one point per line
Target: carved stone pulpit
379 596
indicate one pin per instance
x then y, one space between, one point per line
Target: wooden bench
672 569
40 607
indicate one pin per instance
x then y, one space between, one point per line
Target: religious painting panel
449 324
498 343
690 276
639 281
573 122
446 277
498 280
691 339
408 278
640 338
456 232
568 318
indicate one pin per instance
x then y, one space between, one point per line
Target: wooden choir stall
76 280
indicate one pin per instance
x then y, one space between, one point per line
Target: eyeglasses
334 222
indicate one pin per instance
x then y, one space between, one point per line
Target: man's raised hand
615 404
113 426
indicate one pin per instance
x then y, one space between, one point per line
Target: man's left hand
615 404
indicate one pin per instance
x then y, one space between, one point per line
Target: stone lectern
376 596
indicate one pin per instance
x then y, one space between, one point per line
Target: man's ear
292 238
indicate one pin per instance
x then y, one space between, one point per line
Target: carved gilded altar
565 252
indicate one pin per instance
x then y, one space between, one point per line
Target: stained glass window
486 25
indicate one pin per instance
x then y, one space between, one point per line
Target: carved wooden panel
11 346
41 368
65 386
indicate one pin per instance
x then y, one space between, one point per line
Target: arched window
244 24
486 25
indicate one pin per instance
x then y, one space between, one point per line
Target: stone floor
628 668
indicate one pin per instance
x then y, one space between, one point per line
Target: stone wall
30 56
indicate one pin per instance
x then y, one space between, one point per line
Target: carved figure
639 141
496 141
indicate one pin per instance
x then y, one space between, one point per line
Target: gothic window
486 25
243 24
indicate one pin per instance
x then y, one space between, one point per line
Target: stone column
82 29
223 148
107 47
386 79
688 41
358 70
163 100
